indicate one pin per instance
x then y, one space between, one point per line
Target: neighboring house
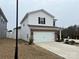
3 25
9 34
12 33
39 25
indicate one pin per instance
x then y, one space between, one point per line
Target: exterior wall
3 27
33 19
25 30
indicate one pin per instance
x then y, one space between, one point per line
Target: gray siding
3 27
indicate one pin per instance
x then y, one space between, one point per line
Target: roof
27 14
19 27
10 31
1 12
43 27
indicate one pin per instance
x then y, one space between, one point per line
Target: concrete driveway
64 50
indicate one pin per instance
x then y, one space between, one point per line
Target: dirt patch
7 50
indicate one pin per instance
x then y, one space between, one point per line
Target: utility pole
16 48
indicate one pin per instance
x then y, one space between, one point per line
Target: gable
42 11
33 19
2 15
37 12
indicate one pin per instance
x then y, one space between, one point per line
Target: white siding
25 30
33 19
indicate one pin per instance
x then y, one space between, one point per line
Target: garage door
43 36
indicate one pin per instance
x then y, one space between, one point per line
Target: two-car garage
43 36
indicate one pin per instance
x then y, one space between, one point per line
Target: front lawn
7 47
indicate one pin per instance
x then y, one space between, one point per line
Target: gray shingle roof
1 13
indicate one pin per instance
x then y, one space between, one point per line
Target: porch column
60 34
31 36
56 35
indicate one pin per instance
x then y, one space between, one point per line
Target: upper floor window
23 24
41 20
2 19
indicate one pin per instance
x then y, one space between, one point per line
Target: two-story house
40 25
3 25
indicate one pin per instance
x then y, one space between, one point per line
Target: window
1 20
41 20
53 23
27 36
23 24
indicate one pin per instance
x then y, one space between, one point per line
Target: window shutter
44 20
38 20
53 22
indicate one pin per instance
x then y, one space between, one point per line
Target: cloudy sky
66 11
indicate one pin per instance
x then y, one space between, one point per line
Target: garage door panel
43 36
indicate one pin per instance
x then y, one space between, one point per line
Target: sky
65 11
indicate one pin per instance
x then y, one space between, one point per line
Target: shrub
72 42
58 40
30 40
66 42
